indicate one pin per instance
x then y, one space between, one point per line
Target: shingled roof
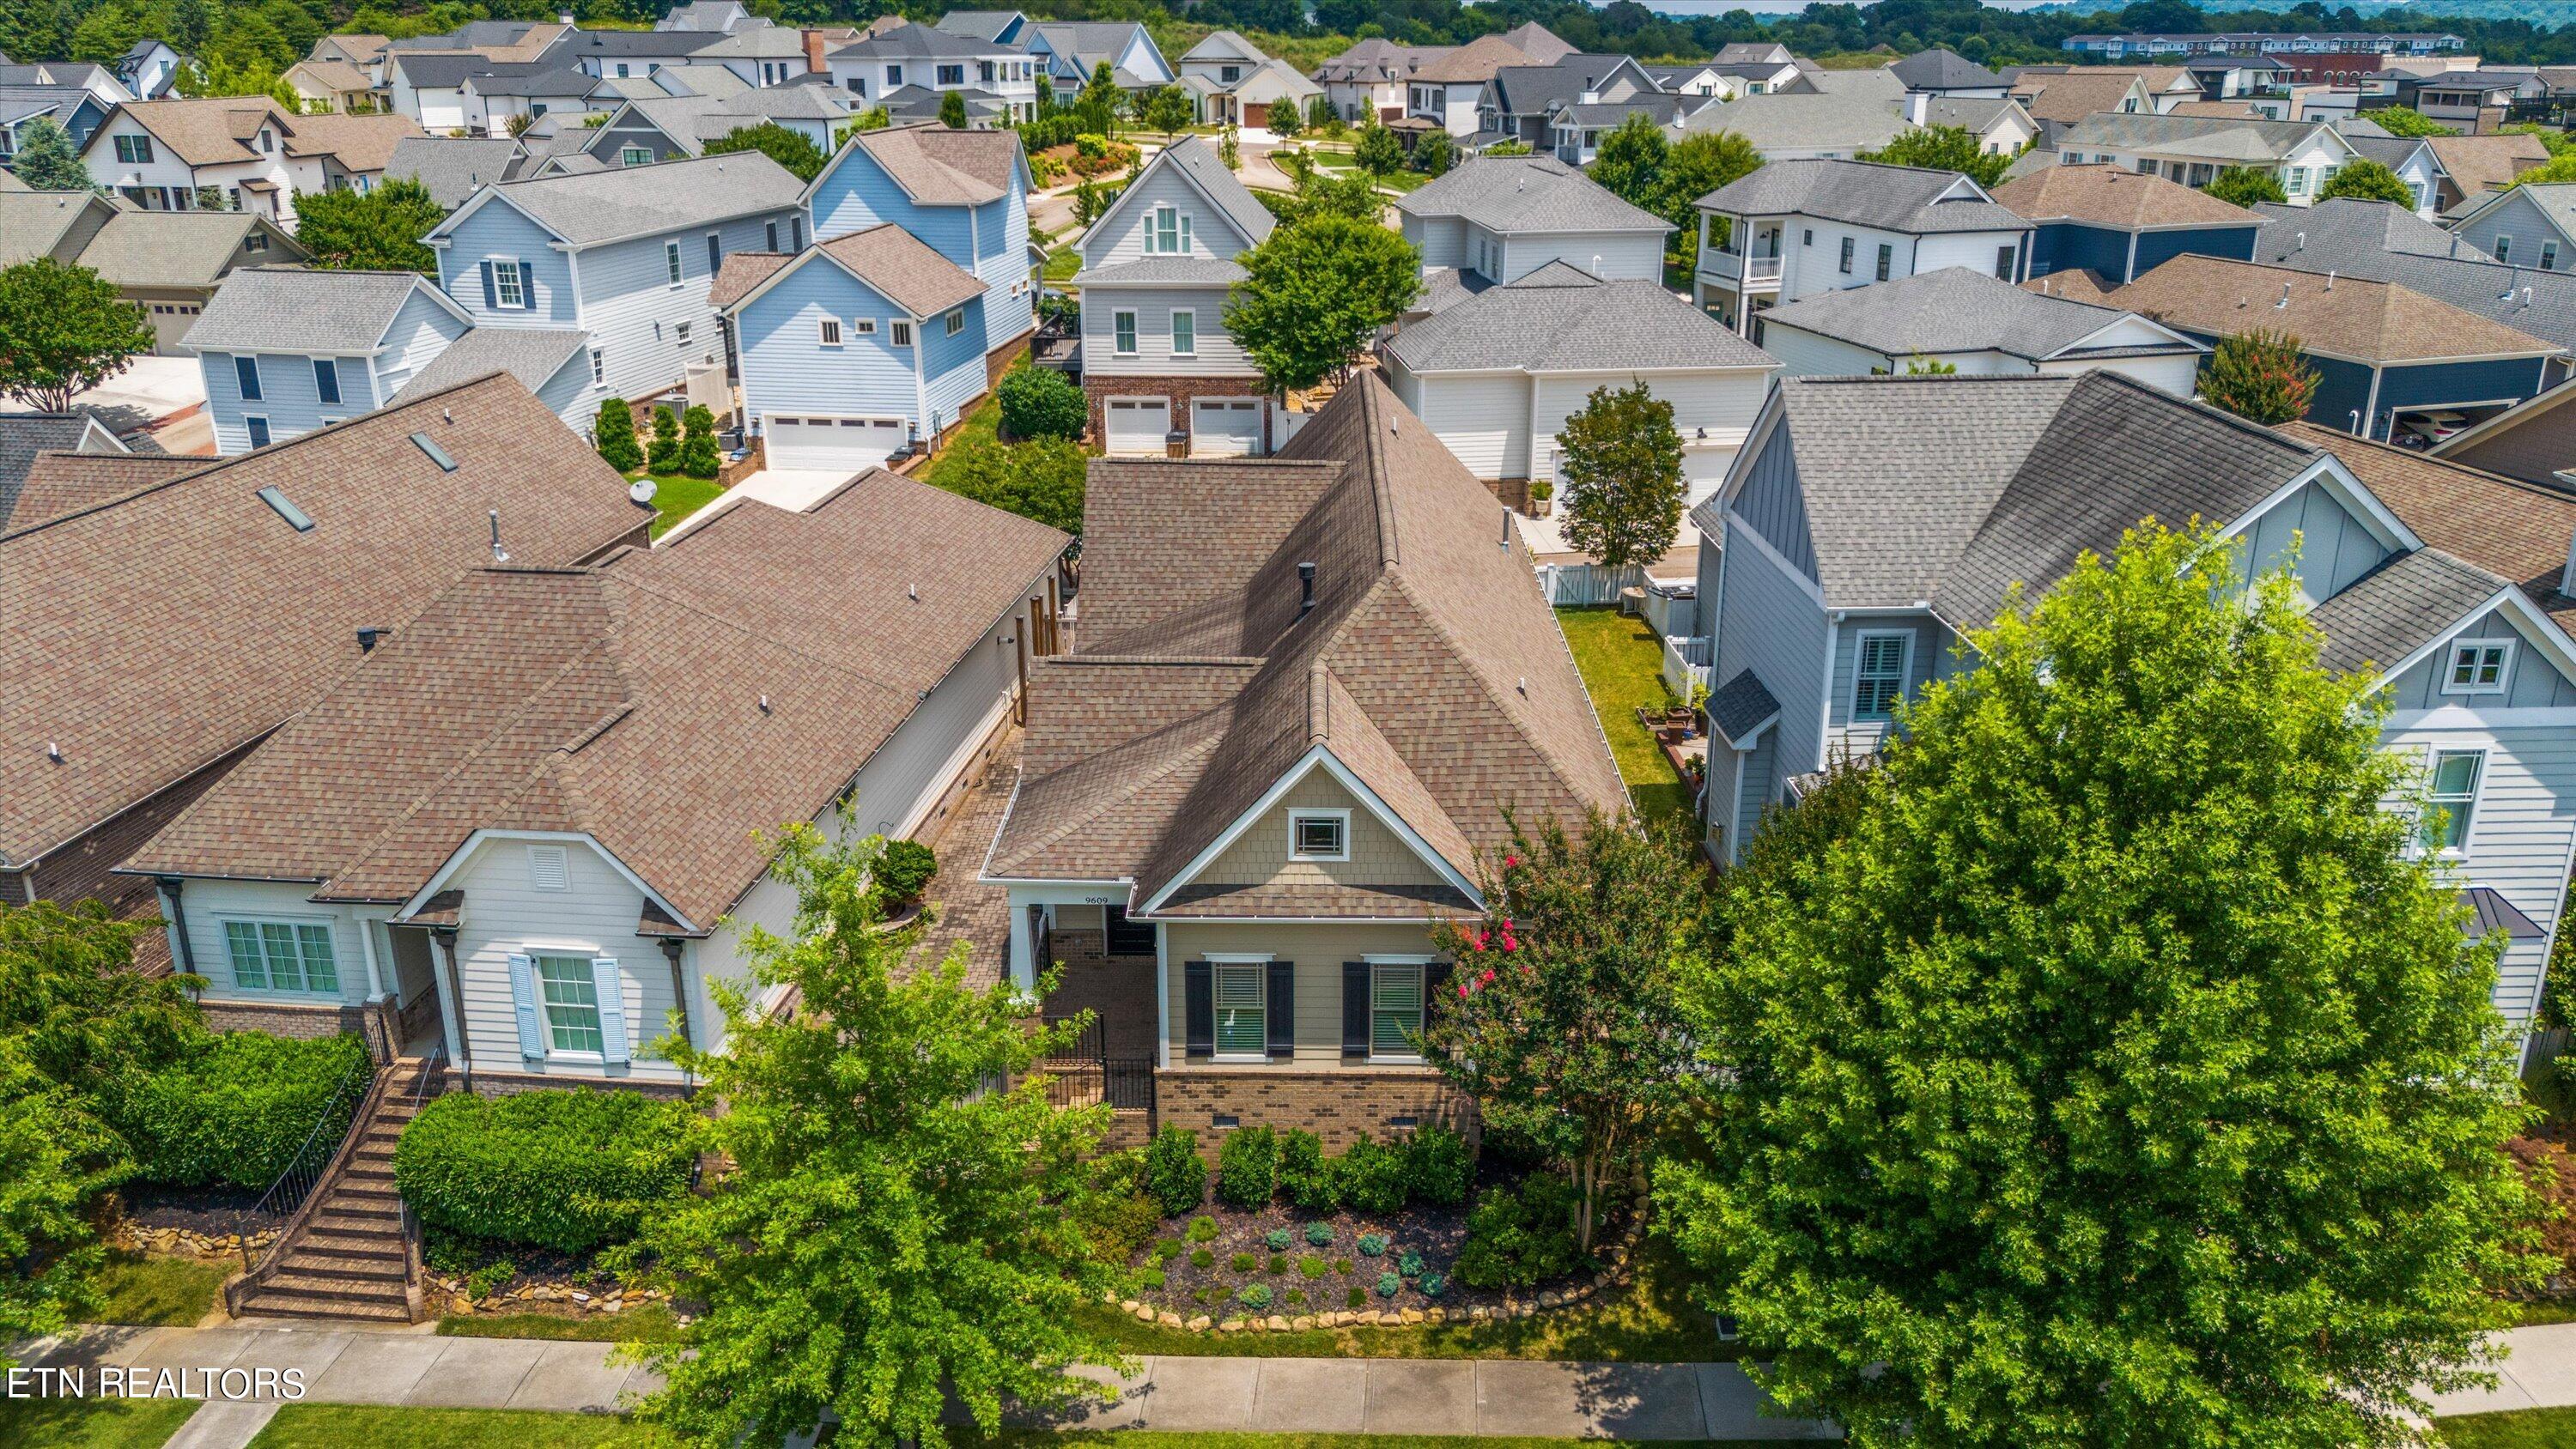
628 201
936 166
2347 317
152 636
1956 309
777 650
1561 318
1911 199
2116 196
1522 194
1430 666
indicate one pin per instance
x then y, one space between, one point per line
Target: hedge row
235 1111
563 1170
1255 1164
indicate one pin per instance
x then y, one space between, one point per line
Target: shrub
1202 1258
1202 1229
1119 1223
1356 1298
1243 1262
1342 1266
1409 1264
1437 1168
1319 1234
614 435
1278 1264
1154 1278
1371 1177
663 454
1295 1298
237 1110
1520 1236
1310 1267
903 871
1168 1249
563 1170
1175 1176
1038 402
1247 1167
698 457
1306 1178
1278 1240
1433 1285
1257 1297
1091 148
1388 1285
1372 1245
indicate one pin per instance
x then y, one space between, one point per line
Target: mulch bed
211 1211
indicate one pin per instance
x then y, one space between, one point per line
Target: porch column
1024 970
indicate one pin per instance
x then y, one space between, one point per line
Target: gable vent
436 453
295 517
549 868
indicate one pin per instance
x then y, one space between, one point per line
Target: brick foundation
1181 390
999 360
511 1084
378 1023
1339 1107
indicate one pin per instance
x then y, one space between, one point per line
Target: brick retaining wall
1339 1107
378 1023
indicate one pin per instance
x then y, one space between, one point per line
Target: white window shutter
612 1008
532 1019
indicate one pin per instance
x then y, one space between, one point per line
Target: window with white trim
2549 256
2479 666
1122 326
830 329
1878 673
568 991
598 366
635 156
1167 232
281 956
2452 802
863 326
955 321
1240 993
902 334
1319 835
1395 1009
2296 184
671 261
2503 248
506 291
1185 332
257 427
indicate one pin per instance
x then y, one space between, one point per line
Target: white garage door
1137 424
170 322
829 443
1225 427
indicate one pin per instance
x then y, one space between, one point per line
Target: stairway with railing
348 1248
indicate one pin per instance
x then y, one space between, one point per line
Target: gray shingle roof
35 223
452 167
2206 136
919 42
1524 194
2346 237
1950 310
1186 271
1830 120
634 44
641 200
283 309
1943 70
1195 158
2397 607
1528 90
179 248
1741 707
1890 198
531 354
535 80
1661 109
1560 318
22 437
982 24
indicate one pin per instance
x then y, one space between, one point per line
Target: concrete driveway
794 489
149 391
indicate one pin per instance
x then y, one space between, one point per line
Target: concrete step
298 1303
308 1262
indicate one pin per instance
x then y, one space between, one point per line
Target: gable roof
2554 200
1538 42
1474 62
1378 59
337 76
898 265
2348 317
1534 193
1224 45
936 166
2480 164
2364 239
1560 318
1943 70
452 167
1197 163
981 24
1778 121
357 143
1430 668
1084 44
2070 96
208 131
291 309
24 435
155 635
786 646
180 248
1531 90
2198 136
629 201
1955 309
919 42
38 223
60 483
533 355
1865 193
2116 196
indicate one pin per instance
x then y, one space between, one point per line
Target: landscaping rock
1409 1316
1480 1314
1168 1319
1230 1325
1128 1305
1370 1318
1301 1323
1278 1323
1549 1299
1200 1323
1435 1316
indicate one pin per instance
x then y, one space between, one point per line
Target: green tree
1621 466
63 330
662 455
105 34
2259 374
2247 186
2407 121
50 1179
1377 151
874 118
47 159
2089 1083
1166 110
1320 116
1696 165
1315 292
698 456
1920 365
1284 121
1091 201
952 110
1099 100
1434 154
1944 148
1038 402
2366 180
893 1222
614 435
1563 1022
1506 148
1229 146
792 149
1629 163
1040 479
378 230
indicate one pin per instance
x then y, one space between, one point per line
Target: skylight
436 453
301 521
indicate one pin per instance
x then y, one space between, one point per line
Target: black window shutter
491 299
528 285
1435 980
1198 1011
1280 1019
1355 1008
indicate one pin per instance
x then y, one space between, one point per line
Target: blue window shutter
523 995
528 286
612 1008
491 297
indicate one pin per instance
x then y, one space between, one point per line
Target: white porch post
1024 971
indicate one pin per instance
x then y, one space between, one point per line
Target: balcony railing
1763 269
1729 266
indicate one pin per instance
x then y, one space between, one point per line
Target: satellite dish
641 491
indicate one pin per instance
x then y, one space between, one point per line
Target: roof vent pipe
1305 589
2303 243
2330 279
367 636
2285 296
2567 575
1506 539
500 555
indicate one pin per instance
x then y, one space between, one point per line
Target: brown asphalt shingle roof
60 483
898 264
360 143
940 167
2479 164
1477 60
2070 96
152 636
749 669
2115 196
1431 667
2343 316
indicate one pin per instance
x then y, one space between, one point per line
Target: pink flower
1462 991
1487 979
1511 862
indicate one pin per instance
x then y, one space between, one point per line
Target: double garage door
1222 427
830 444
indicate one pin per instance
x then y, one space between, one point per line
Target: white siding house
1797 228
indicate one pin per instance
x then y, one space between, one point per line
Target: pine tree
698 457
47 160
615 436
664 453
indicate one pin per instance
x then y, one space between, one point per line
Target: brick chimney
814 52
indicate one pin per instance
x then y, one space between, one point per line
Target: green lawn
650 1324
160 1292
352 1426
1062 263
676 496
2522 1429
1392 181
2534 1312
91 1423
1622 664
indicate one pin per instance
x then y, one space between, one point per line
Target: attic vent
549 869
295 517
436 453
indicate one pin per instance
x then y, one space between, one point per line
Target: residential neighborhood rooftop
2115 196
530 354
2348 317
900 266
1954 309
295 309
939 167
629 201
1891 198
1534 193
1562 318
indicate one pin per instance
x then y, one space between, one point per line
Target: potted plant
902 873
1542 495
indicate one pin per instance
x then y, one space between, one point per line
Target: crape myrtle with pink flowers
1560 1018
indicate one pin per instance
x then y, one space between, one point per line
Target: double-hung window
2549 256
2478 666
1240 991
326 380
134 150
569 992
507 290
715 253
2296 183
1122 326
635 156
1848 245
901 336
1185 333
1886 259
1167 232
246 372
598 366
1878 675
281 956
955 321
2503 248
257 427
1395 1008
2453 799
2004 262
671 261
951 76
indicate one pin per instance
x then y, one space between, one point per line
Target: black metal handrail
306 1169
433 1072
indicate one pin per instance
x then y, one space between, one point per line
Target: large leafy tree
1041 478
1629 163
1622 466
2259 374
1315 292
1696 165
47 159
794 149
375 231
63 330
2366 180
893 1222
2247 186
2110 1072
1944 148
1166 110
1560 1018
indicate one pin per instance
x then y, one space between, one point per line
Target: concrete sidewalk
2538 1371
364 1366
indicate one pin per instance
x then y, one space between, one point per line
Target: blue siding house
2121 224
286 351
626 255
964 193
1842 560
854 349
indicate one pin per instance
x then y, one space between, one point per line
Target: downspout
2370 409
187 956
671 949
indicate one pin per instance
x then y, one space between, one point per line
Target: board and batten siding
2316 538
634 313
1927 658
208 904
1776 506
2530 683
1778 630
1318 949
1218 355
989 240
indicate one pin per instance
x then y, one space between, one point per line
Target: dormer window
1167 232
2479 666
